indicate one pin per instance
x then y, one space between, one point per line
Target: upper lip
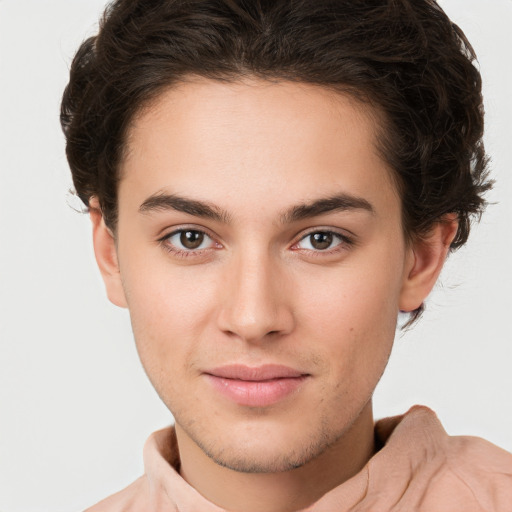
257 373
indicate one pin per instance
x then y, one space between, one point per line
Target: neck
286 491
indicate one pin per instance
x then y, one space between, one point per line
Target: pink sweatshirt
419 469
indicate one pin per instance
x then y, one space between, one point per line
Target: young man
270 184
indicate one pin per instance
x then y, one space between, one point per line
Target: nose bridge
254 305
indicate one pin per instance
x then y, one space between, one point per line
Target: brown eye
321 241
188 242
191 239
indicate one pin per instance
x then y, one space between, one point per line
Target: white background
75 407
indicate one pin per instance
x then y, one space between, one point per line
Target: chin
257 453
244 461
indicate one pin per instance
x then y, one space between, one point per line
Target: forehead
254 139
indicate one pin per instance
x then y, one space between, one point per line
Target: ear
106 255
428 254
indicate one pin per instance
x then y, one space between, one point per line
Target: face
262 259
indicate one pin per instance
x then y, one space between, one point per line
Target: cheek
169 310
352 297
352 314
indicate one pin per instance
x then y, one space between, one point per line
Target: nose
255 305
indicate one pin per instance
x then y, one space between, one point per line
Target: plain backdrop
75 405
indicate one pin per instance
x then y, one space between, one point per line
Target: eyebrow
162 202
340 202
337 203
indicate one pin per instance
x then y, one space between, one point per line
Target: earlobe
106 255
427 256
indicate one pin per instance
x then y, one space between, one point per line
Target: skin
259 289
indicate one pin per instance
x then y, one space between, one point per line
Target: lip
255 386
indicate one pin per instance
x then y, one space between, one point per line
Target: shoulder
159 485
133 498
482 468
435 472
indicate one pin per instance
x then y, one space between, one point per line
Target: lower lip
256 393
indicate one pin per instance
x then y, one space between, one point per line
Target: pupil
191 239
321 240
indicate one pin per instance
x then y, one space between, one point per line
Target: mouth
256 386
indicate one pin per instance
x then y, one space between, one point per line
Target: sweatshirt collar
414 447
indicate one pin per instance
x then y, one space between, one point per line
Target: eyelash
345 243
185 253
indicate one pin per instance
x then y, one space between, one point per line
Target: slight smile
255 386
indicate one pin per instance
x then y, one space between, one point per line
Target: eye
321 241
188 240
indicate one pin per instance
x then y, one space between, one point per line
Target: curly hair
405 58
